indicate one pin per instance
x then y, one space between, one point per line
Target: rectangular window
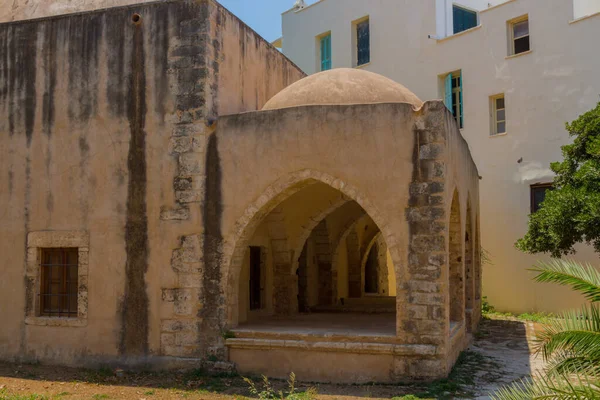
498 115
538 195
463 19
519 36
453 96
363 40
59 280
326 52
255 278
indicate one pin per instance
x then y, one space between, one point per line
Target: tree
570 344
570 213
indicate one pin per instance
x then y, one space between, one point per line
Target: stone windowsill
519 55
58 322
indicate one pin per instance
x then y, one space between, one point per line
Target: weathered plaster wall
102 128
416 158
18 10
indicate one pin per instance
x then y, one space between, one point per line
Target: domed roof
342 86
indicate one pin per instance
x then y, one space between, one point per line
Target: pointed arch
469 267
237 241
456 262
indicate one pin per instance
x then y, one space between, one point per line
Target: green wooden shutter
448 91
461 105
326 53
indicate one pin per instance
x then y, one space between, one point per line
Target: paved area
508 348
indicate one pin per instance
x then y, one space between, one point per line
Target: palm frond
582 277
551 386
576 332
568 363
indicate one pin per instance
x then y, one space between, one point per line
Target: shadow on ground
501 354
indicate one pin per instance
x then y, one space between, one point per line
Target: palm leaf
551 386
576 332
568 363
582 277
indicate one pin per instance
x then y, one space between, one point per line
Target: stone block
198 144
58 239
180 144
190 164
425 213
167 339
187 339
180 351
432 170
423 286
189 196
190 280
417 311
428 243
174 214
432 135
426 299
423 368
189 130
179 325
431 151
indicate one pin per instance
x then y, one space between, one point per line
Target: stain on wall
212 313
134 335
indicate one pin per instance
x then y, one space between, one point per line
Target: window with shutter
453 96
326 53
463 19
364 42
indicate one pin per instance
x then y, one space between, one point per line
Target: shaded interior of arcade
318 264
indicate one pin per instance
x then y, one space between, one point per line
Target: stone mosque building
175 193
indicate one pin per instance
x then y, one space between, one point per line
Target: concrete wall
582 8
102 128
553 84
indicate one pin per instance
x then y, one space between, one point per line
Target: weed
228 335
149 393
4 395
100 396
268 392
488 311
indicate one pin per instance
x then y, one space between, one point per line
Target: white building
515 71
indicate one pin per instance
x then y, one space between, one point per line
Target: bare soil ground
501 354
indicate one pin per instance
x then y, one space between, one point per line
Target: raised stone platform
344 348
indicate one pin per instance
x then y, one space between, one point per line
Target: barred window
59 279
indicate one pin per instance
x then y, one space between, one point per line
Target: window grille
59 280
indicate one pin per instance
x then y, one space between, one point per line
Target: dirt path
500 355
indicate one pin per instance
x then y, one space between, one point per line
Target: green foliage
582 278
570 343
228 335
489 311
550 386
570 214
486 307
268 391
4 395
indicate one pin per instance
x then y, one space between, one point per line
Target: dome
342 86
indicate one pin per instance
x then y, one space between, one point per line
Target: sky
264 16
